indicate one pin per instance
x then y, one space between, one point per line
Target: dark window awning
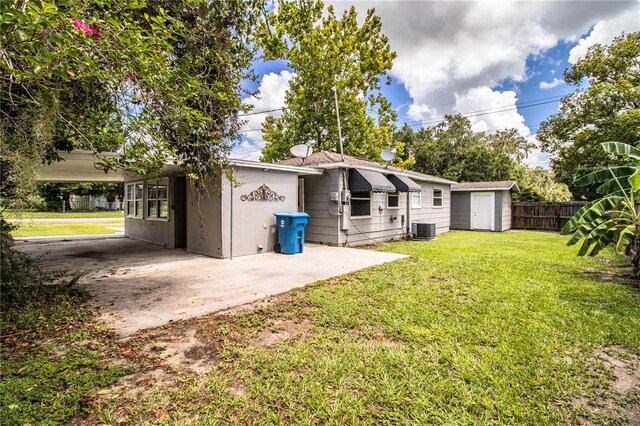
404 184
367 180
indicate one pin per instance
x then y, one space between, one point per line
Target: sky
500 63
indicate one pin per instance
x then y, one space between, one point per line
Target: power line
519 105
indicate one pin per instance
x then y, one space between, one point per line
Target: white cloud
544 85
272 90
478 102
605 31
450 51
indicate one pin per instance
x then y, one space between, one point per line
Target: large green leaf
590 212
625 237
606 175
623 149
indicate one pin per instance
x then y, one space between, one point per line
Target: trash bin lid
292 214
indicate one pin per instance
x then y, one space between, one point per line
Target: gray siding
205 240
506 210
384 224
166 232
460 210
251 224
387 224
497 210
324 222
441 216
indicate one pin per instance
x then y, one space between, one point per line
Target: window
134 199
392 200
360 204
157 199
437 197
416 200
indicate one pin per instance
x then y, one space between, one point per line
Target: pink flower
88 29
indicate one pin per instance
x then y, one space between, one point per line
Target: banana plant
613 219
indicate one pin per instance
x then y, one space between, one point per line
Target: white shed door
482 211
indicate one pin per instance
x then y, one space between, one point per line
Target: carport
139 285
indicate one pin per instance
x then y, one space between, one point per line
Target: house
357 201
482 205
350 201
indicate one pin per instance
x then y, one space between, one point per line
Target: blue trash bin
290 232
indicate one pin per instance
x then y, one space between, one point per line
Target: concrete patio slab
140 285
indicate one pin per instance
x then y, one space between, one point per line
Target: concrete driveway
140 285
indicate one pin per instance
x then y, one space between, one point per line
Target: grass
474 328
55 357
66 215
39 229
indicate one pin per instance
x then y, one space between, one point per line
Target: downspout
409 197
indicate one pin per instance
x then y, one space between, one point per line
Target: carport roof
80 166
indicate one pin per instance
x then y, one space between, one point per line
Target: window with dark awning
368 180
404 184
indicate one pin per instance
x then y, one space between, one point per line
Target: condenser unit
423 231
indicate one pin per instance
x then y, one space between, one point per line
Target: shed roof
327 159
501 185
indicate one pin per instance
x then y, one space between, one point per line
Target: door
482 211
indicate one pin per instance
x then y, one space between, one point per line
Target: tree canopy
327 51
605 107
454 151
153 80
540 185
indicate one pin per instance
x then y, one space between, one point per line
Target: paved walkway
140 285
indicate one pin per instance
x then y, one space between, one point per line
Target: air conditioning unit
423 231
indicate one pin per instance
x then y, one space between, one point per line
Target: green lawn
66 215
473 328
39 229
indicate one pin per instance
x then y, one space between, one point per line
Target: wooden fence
543 216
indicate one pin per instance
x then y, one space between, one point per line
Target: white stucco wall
247 225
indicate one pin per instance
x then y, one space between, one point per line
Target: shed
482 206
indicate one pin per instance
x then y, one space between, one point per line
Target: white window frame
138 197
441 198
150 184
419 198
370 206
393 194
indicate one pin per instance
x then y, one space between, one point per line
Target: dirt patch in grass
279 331
617 389
188 350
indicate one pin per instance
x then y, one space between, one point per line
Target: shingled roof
318 159
501 185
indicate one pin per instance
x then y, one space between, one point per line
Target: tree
540 185
615 217
153 80
606 109
327 52
454 151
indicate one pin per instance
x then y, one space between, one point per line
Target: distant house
357 201
483 206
